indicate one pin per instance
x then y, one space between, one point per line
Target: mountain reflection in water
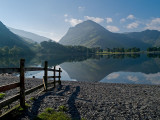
139 69
118 68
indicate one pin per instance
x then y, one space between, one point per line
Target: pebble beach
93 101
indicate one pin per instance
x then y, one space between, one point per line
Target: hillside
31 37
91 34
151 37
9 39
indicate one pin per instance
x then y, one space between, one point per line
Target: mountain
9 39
28 36
91 34
151 37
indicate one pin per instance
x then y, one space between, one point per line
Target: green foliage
13 51
2 95
51 47
153 49
62 108
15 112
122 50
51 114
18 108
12 44
49 110
32 99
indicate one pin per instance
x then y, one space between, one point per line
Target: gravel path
8 79
100 101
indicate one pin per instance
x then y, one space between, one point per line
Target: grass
2 95
32 99
62 108
14 113
51 114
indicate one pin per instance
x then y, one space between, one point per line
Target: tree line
153 49
51 47
134 49
14 51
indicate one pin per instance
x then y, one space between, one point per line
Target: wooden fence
21 84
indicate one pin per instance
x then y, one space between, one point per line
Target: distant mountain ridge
151 37
28 36
91 34
7 38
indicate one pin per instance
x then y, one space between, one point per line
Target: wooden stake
54 74
45 74
22 87
59 81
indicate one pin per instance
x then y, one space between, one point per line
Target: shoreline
127 53
92 100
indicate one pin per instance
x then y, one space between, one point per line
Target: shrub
51 114
62 108
32 99
2 95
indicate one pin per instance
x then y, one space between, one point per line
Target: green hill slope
9 39
91 34
151 37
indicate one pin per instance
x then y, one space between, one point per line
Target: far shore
141 52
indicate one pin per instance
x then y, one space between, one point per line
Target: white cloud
122 20
132 25
66 20
154 24
112 28
81 9
132 78
109 20
65 15
130 16
95 19
153 78
113 76
73 21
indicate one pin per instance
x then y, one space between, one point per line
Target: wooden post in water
59 81
22 87
45 74
54 74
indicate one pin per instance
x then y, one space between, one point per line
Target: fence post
45 74
59 81
54 76
22 87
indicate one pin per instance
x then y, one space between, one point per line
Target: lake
130 69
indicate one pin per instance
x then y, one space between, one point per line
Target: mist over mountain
91 34
12 44
7 38
28 36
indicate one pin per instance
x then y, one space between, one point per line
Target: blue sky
52 18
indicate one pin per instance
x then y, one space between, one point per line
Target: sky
53 18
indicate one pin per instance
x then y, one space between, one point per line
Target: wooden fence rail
21 84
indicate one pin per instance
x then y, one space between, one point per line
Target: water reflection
40 74
95 70
132 78
118 68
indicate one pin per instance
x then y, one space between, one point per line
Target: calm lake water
131 69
